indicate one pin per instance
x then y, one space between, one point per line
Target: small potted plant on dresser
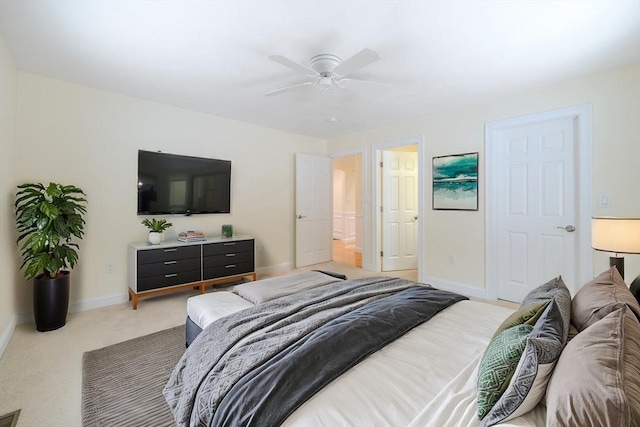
156 228
47 219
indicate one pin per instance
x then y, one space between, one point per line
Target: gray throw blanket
215 381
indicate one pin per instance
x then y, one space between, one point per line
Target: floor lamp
618 235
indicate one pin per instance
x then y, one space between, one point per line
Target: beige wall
615 98
8 249
76 135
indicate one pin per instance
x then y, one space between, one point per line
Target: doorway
538 201
390 218
347 229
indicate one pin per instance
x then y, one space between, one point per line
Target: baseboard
98 302
81 305
274 270
7 334
460 288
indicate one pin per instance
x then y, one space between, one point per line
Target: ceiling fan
327 70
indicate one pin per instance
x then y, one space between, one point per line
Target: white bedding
397 385
425 378
206 308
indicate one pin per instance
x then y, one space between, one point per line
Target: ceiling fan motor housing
324 63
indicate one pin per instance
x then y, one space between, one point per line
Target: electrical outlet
452 259
110 267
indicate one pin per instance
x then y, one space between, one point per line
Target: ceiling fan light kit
327 70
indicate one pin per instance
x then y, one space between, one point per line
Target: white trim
422 210
81 305
583 116
459 288
7 334
99 302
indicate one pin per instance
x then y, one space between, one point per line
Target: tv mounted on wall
173 184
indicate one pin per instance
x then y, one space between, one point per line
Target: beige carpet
122 384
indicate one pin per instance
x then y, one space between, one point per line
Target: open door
313 209
399 210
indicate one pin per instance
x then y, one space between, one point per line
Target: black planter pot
51 302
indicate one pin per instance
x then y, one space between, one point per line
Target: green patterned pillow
527 315
498 364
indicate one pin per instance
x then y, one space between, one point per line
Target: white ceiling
211 56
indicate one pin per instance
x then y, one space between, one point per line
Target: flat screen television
173 184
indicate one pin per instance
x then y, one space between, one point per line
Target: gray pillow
597 379
543 348
599 297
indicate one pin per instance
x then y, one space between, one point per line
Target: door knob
415 218
301 216
568 228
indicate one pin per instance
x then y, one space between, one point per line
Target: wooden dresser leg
134 299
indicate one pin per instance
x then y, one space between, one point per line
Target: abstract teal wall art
455 182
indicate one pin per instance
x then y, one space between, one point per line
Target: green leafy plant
47 219
157 225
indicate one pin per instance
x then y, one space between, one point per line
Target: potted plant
156 227
47 219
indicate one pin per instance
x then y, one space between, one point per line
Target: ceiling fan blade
357 61
289 88
294 65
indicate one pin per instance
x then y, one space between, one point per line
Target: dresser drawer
228 270
168 267
170 279
226 259
227 247
151 256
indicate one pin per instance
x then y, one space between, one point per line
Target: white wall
615 98
76 135
8 248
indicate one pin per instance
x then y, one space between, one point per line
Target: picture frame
455 182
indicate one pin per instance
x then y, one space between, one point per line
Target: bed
433 374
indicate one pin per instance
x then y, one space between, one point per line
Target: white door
313 209
536 206
399 210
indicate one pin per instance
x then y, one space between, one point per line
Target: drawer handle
229 244
170 262
230 266
171 250
170 275
231 254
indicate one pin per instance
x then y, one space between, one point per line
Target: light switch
604 200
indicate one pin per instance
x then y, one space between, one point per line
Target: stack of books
191 236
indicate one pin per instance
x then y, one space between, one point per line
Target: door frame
582 116
376 175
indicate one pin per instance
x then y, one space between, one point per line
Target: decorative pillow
543 292
498 365
527 315
599 297
544 345
596 381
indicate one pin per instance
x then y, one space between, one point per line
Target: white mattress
204 309
394 386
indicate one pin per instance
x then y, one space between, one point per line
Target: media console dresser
173 265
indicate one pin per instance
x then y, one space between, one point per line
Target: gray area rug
122 384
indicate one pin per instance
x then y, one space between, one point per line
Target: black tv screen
173 184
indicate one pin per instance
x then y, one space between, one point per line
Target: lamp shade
612 234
